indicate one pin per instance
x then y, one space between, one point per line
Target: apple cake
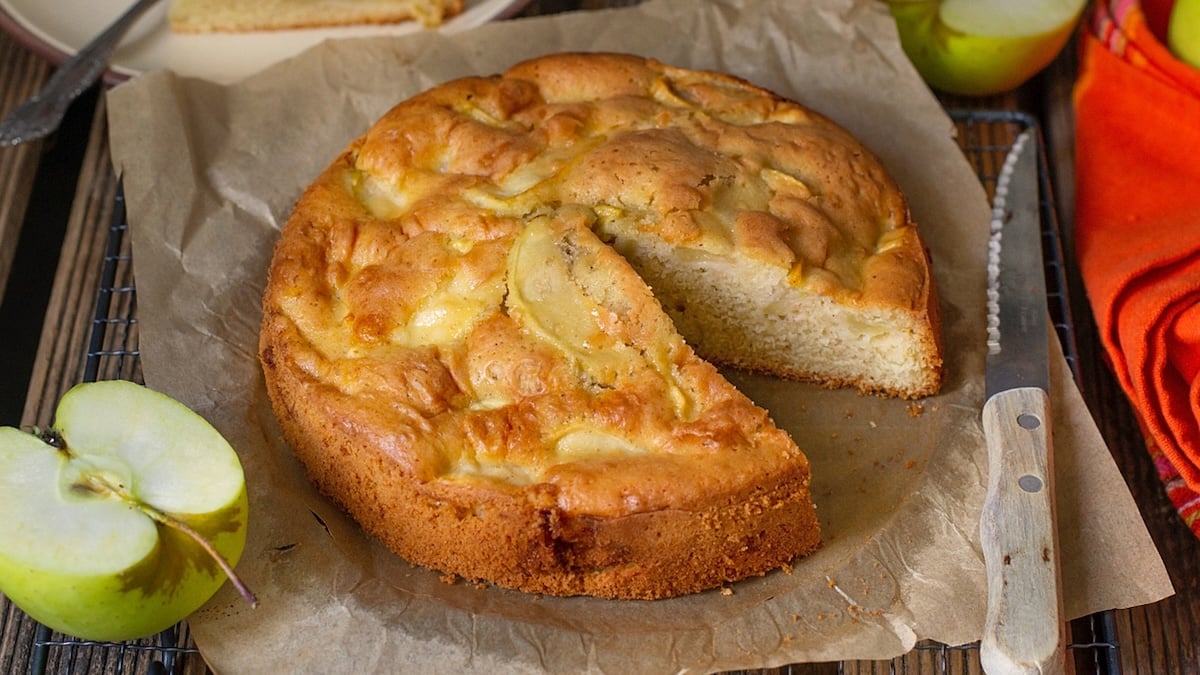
484 321
241 16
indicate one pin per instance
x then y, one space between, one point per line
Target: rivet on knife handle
1023 628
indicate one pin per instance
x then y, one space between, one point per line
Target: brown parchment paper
210 174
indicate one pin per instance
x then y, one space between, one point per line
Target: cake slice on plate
242 16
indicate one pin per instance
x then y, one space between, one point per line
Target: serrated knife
1023 627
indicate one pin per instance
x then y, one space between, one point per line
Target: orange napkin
1138 229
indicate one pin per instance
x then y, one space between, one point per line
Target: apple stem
101 485
183 527
51 437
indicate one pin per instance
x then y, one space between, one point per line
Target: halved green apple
983 47
124 518
1183 31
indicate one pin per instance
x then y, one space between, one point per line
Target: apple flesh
121 520
1183 31
983 47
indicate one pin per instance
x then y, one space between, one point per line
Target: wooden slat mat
21 75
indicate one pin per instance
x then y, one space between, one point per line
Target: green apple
983 47
124 518
1183 31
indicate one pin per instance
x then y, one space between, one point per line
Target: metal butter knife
43 112
1023 629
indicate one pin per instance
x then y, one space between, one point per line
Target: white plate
58 28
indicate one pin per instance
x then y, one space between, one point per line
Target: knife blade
41 114
1023 627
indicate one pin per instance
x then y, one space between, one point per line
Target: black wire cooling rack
985 137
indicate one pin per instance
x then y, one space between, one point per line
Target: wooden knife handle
1023 631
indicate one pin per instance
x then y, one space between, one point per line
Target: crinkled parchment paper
211 172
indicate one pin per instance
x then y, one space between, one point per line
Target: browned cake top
445 292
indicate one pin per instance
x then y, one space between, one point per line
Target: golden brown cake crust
463 362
